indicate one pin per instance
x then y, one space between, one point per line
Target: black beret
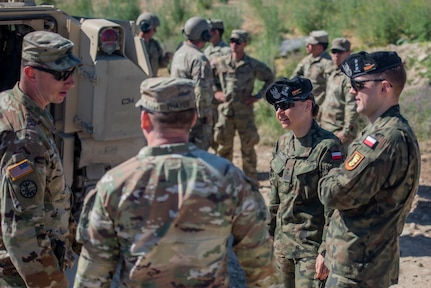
369 63
297 88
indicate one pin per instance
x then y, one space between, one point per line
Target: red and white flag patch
370 141
336 155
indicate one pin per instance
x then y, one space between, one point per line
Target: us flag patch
19 170
336 156
370 141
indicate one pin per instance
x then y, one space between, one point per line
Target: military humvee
98 123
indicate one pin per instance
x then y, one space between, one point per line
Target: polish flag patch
370 141
336 156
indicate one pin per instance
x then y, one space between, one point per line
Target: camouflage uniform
213 51
166 215
36 224
156 56
339 108
190 63
237 81
317 69
298 219
372 194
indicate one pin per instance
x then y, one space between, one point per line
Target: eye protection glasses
58 75
360 84
236 41
283 105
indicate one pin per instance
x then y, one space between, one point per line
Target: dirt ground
415 241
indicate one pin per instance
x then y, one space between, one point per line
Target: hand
321 271
219 95
341 136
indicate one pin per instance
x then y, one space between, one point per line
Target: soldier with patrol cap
147 23
373 191
339 108
317 65
35 243
300 157
189 62
237 73
167 213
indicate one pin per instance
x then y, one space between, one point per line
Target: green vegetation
367 23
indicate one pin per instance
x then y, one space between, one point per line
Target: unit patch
28 189
353 161
19 170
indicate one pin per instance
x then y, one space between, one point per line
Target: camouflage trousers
298 273
239 117
339 281
201 134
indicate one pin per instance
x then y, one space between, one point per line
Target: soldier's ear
29 72
145 120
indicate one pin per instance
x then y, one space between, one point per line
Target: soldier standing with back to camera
35 199
167 213
147 24
300 158
237 73
373 191
189 62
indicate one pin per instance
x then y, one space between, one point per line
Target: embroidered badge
353 161
370 141
28 189
19 170
336 156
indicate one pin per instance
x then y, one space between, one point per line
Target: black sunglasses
236 41
335 51
359 84
58 75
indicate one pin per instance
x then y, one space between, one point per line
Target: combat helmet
146 21
197 28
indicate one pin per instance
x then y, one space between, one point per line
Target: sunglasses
236 41
360 84
335 51
58 75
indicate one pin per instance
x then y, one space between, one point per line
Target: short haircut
176 120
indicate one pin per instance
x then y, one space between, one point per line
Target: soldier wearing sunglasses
372 192
300 158
36 201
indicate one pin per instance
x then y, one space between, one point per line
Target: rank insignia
353 161
19 170
370 141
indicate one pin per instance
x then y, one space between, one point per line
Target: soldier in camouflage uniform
166 214
216 48
317 65
190 63
237 73
339 108
35 199
372 192
300 158
147 24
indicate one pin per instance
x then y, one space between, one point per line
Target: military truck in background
98 124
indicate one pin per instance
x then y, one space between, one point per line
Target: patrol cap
164 94
238 34
285 90
317 37
341 44
369 63
49 49
216 24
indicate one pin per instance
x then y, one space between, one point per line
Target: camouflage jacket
35 199
372 193
212 52
237 77
298 219
166 216
317 69
189 62
156 55
339 108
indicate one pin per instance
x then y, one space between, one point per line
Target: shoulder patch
353 161
370 141
336 155
19 170
28 189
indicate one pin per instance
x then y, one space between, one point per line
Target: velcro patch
19 170
353 161
336 155
370 141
